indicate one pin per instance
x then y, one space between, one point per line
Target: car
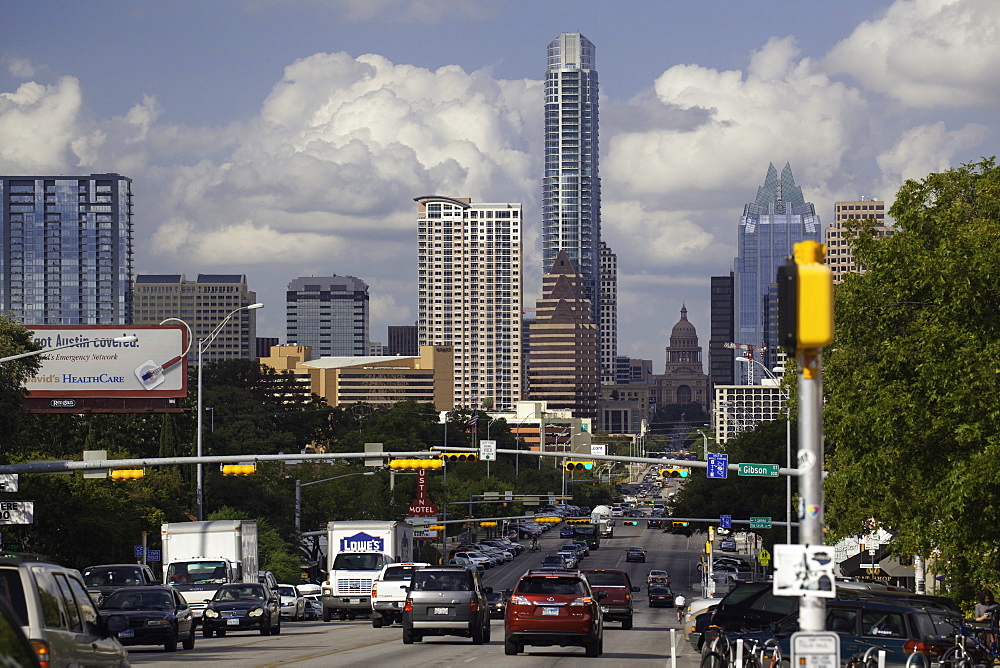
566 532
550 608
478 558
497 601
660 596
314 606
554 561
293 604
103 579
35 588
468 563
727 545
654 524
446 600
242 606
635 554
617 604
584 547
389 591
570 556
156 616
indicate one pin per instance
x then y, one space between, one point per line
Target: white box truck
198 557
602 517
356 553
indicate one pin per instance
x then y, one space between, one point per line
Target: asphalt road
356 643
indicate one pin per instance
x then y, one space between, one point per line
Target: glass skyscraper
571 188
770 227
67 249
330 314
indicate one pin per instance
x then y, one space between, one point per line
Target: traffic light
459 457
579 466
238 469
680 524
578 521
548 520
436 527
630 523
675 473
487 524
805 299
415 464
711 533
127 474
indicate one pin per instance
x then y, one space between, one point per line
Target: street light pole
298 494
203 344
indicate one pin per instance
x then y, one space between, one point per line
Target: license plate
605 608
550 611
127 633
233 621
354 600
440 611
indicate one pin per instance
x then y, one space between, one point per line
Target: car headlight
209 612
256 612
157 622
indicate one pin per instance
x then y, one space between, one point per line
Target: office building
720 358
329 314
402 340
608 325
571 187
469 294
770 227
839 249
203 304
564 357
67 244
741 407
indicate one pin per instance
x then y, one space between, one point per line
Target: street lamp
203 344
125 338
517 440
298 494
788 445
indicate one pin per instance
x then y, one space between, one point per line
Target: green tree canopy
912 418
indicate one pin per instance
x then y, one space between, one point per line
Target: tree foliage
912 418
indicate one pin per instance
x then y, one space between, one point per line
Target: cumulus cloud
927 53
22 68
925 149
38 125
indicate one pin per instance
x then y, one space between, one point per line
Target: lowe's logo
362 542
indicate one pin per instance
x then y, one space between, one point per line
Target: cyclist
534 542
986 607
679 602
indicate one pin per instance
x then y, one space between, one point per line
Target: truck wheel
327 616
221 633
593 648
207 633
407 636
352 616
477 636
341 615
170 645
511 648
265 630
276 631
627 622
376 621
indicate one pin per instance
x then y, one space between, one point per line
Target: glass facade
571 188
770 227
330 314
67 244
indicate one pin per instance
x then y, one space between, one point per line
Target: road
356 643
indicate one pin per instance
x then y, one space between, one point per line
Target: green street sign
762 470
760 522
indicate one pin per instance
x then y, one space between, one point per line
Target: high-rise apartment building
203 304
67 243
329 314
571 188
608 324
839 249
770 227
469 294
565 371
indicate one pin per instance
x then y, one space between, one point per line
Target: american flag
474 420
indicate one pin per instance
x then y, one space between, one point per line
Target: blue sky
285 138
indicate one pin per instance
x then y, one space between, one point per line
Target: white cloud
22 68
925 149
927 53
37 126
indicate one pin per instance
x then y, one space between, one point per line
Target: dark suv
551 607
617 589
446 600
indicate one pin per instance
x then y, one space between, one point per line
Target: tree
14 340
912 423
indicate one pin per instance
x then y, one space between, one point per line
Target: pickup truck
389 592
103 579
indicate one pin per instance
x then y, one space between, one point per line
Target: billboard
89 363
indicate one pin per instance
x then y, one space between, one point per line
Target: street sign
804 570
762 470
764 557
488 451
726 521
820 649
17 512
718 465
598 448
374 449
8 482
152 555
760 522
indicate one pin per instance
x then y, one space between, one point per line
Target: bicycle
723 652
984 650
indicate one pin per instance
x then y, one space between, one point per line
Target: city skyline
289 139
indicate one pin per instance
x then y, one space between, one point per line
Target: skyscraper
469 294
608 325
571 188
839 247
68 249
770 227
329 313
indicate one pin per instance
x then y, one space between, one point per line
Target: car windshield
553 559
347 561
134 600
606 579
440 581
287 591
244 593
197 572
112 576
556 586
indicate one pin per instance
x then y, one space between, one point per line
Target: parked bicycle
974 645
740 652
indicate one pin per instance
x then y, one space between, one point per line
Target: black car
242 607
635 554
661 596
156 616
497 600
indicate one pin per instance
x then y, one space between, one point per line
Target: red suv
554 607
617 589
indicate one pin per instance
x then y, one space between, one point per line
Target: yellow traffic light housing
548 520
579 466
680 524
675 473
459 457
488 524
126 474
711 533
436 527
805 299
415 464
238 469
